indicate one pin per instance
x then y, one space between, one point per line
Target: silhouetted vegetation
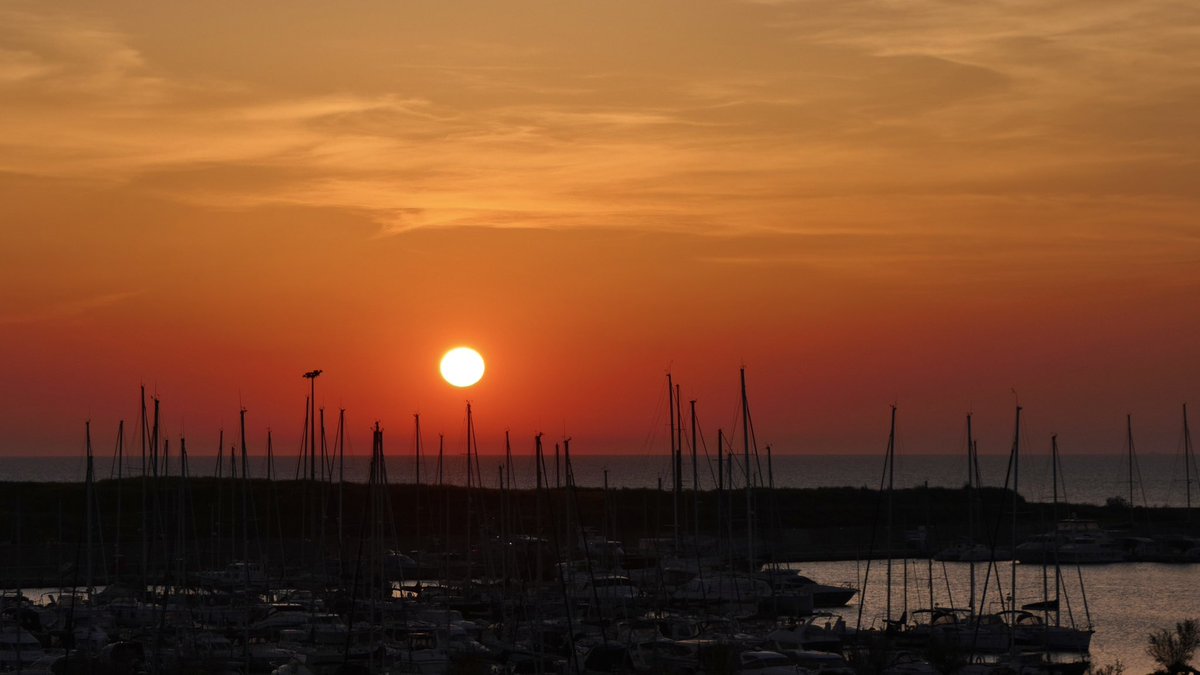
1172 650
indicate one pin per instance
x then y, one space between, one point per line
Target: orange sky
932 203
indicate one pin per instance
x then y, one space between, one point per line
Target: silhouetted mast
890 461
120 475
89 497
695 480
971 464
1187 460
1129 441
749 477
312 376
1016 475
674 460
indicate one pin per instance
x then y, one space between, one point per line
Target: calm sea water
1125 602
1158 478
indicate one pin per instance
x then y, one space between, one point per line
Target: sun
462 366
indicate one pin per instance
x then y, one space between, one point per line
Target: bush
1114 668
1173 650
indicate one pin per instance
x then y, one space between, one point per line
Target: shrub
1173 650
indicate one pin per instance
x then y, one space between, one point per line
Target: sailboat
1032 623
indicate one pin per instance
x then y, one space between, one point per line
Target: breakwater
137 525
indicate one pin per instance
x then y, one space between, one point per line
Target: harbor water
1125 602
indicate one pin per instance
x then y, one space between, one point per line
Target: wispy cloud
930 116
66 309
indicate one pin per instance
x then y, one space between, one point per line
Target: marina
166 572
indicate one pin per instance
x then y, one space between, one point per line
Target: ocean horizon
1159 479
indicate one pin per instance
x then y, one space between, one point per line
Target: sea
1157 479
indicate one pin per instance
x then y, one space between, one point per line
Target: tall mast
120 475
143 435
324 459
88 507
1016 466
417 449
971 459
310 507
181 513
470 443
1187 461
537 502
245 496
1129 443
312 376
508 462
154 441
680 514
441 454
218 526
695 480
245 541
537 460
270 456
720 490
1054 515
749 476
341 450
890 462
674 460
416 472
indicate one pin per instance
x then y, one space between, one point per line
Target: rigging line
992 552
651 436
871 545
707 457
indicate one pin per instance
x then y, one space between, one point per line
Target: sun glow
462 366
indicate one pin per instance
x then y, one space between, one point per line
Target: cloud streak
927 116
67 309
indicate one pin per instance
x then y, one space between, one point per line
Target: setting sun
462 366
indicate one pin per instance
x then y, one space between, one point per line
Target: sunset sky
863 202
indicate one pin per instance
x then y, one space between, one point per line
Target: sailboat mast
749 476
680 514
674 461
695 479
508 462
971 509
341 450
416 474
1187 461
890 461
245 496
720 490
145 489
120 475
467 518
88 507
245 540
537 501
417 450
1129 444
1016 464
311 376
537 460
324 460
1054 515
